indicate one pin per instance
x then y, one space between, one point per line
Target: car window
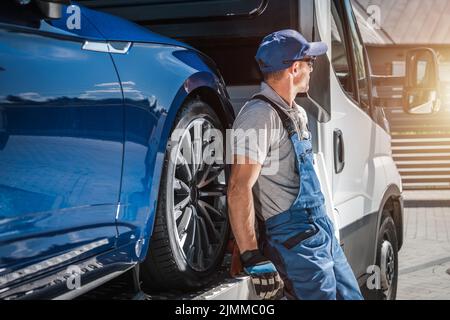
340 60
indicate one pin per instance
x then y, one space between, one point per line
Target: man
297 240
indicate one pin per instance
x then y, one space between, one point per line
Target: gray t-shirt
278 185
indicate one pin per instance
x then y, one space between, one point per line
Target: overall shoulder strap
288 123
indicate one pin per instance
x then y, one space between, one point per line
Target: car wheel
191 224
387 260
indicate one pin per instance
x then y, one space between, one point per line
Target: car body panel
82 145
58 117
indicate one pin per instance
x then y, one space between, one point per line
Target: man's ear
295 68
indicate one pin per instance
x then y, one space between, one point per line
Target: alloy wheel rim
199 195
387 267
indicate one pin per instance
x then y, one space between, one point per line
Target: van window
359 61
340 54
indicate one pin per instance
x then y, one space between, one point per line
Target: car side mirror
421 89
52 9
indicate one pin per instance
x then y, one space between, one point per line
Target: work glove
264 275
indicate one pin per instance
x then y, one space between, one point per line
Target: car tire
191 227
387 259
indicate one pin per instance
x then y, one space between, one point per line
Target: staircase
421 149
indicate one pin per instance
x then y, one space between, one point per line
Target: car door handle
117 47
339 151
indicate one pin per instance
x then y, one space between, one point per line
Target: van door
357 168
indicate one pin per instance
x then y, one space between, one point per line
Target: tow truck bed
223 287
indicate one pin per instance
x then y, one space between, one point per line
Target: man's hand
264 275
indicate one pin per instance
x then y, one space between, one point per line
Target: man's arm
244 174
263 273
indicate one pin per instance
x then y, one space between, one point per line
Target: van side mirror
421 89
52 9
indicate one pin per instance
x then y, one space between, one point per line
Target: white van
362 185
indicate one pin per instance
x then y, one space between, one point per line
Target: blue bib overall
301 241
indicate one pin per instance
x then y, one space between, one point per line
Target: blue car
104 127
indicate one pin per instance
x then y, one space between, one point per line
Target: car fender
202 80
156 81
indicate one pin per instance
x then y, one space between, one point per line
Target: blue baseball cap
280 49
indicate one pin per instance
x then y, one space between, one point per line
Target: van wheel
191 223
387 260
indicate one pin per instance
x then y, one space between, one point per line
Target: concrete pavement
424 266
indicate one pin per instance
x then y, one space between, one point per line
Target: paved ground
425 257
437 195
